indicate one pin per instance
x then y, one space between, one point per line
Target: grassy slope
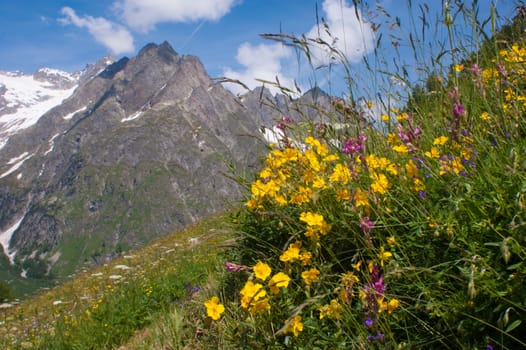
103 308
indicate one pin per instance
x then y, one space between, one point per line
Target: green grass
103 308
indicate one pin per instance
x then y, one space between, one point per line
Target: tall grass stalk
396 219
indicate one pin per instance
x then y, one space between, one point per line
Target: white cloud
354 37
113 36
350 35
143 15
260 62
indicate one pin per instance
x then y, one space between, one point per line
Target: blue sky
224 34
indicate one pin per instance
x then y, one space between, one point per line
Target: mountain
125 152
269 109
24 98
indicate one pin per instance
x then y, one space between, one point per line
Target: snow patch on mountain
132 117
51 144
19 161
5 239
70 115
25 98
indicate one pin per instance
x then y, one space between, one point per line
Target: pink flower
231 267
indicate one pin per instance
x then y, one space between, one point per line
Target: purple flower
379 286
475 69
369 322
374 272
283 122
422 194
231 267
366 224
458 110
379 336
501 69
191 290
352 146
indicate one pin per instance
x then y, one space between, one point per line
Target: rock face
139 149
269 109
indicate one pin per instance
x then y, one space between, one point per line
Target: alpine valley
102 161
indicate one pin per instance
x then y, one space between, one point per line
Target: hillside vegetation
408 234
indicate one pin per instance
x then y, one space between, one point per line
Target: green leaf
514 266
513 325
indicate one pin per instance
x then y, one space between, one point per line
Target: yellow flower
391 240
418 185
250 293
380 183
292 253
375 162
311 141
322 150
433 153
252 204
360 198
402 149
402 116
310 276
441 140
313 160
332 310
485 116
385 117
214 309
457 165
342 194
293 326
262 270
318 183
391 138
259 306
458 67
331 158
305 257
384 256
392 305
341 174
279 280
348 280
267 172
392 169
302 195
357 266
316 223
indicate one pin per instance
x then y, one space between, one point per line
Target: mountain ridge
138 150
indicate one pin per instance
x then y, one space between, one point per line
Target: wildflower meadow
396 220
408 232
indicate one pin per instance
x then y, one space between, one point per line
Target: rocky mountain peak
163 51
56 78
140 148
